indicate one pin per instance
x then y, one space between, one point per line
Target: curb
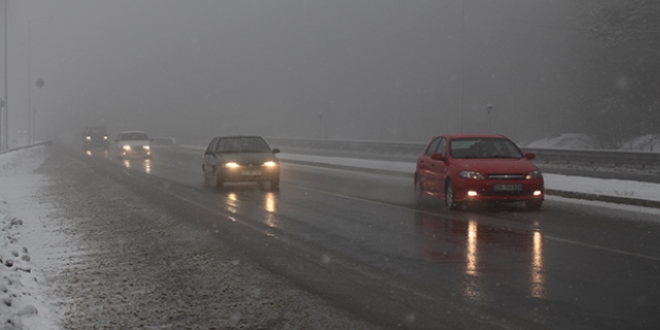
603 198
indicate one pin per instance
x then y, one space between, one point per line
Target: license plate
507 187
251 173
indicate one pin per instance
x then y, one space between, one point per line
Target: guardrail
615 158
49 142
364 147
546 155
410 151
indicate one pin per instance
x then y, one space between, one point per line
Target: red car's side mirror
530 155
437 156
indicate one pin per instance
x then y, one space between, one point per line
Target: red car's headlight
472 175
533 175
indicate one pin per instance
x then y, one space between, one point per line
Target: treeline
617 69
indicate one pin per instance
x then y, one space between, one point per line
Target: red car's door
438 167
426 167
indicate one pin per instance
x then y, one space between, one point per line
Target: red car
465 168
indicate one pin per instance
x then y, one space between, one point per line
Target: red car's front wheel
450 197
419 194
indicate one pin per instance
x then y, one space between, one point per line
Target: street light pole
4 111
462 70
29 107
489 109
29 81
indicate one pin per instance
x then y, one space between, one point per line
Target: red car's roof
473 135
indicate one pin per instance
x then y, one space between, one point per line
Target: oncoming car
465 168
95 137
133 144
241 159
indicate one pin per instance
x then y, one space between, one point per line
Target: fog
341 69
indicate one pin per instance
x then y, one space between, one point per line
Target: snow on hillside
648 142
565 141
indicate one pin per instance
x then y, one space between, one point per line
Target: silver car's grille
248 164
505 176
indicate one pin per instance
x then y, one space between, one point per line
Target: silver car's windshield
242 144
134 137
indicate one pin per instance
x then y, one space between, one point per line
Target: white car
133 144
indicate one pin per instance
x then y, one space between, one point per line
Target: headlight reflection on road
538 281
146 163
472 289
270 202
471 267
270 205
232 203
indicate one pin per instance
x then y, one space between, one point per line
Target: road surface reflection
98 153
242 201
144 164
481 251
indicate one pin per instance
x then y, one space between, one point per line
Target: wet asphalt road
359 240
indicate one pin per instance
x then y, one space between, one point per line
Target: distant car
133 144
467 168
95 137
241 159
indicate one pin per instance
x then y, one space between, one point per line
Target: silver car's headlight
270 164
126 147
474 175
232 165
533 175
88 137
146 147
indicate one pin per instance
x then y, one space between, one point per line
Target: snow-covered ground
22 303
648 142
564 140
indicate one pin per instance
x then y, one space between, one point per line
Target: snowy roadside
22 305
81 251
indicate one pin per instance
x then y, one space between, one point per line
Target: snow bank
563 140
21 304
648 142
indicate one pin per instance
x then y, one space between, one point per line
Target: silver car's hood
134 143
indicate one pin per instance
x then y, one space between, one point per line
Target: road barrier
49 142
413 149
410 151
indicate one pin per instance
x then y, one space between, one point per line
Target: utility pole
4 111
489 109
30 111
462 68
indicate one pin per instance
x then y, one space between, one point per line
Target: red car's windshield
484 148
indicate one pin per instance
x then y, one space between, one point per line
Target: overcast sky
349 69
